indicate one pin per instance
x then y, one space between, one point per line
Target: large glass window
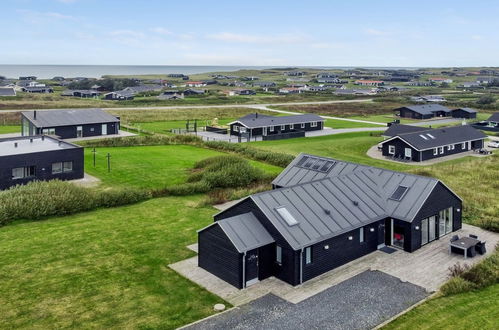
67 167
62 167
56 168
361 235
445 221
428 229
23 172
398 236
278 254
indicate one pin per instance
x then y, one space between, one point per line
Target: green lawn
470 310
104 269
337 123
4 129
164 127
151 166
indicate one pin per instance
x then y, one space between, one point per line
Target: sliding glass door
445 222
428 229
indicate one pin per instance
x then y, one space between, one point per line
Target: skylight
430 135
399 193
424 137
284 213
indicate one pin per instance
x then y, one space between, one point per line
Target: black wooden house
255 125
321 214
431 143
25 159
68 124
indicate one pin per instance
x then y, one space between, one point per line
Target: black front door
251 267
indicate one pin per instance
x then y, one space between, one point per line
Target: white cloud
375 32
162 31
477 37
43 17
247 38
126 33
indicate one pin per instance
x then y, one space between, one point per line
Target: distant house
29 83
433 143
388 88
82 93
143 89
171 95
27 78
122 95
438 80
291 90
466 113
30 158
330 80
255 124
294 73
98 88
470 84
425 111
38 89
7 91
323 75
317 88
369 82
298 79
69 124
195 84
421 83
322 214
491 124
176 75
428 98
250 78
486 80
58 78
239 92
264 84
346 91
192 91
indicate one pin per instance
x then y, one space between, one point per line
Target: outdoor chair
480 248
471 252
474 236
454 238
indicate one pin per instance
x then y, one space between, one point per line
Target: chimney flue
31 140
34 114
15 144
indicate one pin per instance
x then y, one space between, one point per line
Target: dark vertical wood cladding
286 271
43 166
218 256
258 131
458 113
341 250
400 147
441 198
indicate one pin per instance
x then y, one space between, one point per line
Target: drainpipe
244 270
301 266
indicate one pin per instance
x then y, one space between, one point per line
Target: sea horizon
48 71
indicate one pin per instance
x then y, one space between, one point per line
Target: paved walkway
426 267
373 152
361 302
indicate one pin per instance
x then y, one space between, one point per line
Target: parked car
493 144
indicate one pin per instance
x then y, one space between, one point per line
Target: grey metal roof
32 144
468 110
143 88
494 117
55 118
253 120
245 232
396 129
426 109
441 137
9 91
337 204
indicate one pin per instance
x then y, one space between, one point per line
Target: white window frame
236 128
361 235
435 151
48 131
291 126
308 255
302 125
57 168
463 145
441 150
67 167
313 124
408 152
278 255
391 150
271 128
25 172
283 127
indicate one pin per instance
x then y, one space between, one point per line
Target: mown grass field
470 310
4 129
151 166
104 269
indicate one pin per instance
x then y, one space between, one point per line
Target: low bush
456 285
148 140
39 199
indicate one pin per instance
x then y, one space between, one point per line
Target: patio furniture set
469 246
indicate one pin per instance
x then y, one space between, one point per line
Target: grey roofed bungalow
258 120
54 118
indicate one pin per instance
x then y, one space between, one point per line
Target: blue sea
97 71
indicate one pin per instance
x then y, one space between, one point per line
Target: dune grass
104 269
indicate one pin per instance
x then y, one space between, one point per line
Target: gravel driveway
361 302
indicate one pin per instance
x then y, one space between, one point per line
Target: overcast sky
322 33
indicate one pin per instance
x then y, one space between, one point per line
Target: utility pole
108 162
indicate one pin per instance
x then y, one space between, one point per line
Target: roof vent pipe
31 140
15 144
256 114
43 137
34 114
355 203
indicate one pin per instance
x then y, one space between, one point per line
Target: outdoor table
463 243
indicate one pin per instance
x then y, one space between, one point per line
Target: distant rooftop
32 144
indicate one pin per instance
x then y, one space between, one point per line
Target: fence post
108 162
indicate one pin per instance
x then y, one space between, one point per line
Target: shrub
486 99
148 140
456 285
39 199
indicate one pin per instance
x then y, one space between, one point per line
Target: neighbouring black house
68 124
491 124
29 158
321 214
423 111
122 95
432 143
256 124
396 129
466 113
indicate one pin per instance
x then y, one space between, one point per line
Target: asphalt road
361 302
